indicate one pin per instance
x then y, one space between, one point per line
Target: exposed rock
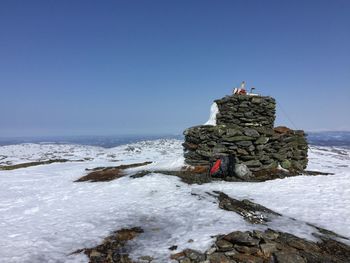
244 144
282 129
190 146
239 139
272 246
233 132
253 163
173 247
25 165
262 140
114 248
288 257
251 212
246 258
286 164
219 258
223 245
251 132
200 174
178 256
249 246
145 259
241 238
242 171
268 248
190 175
108 173
194 255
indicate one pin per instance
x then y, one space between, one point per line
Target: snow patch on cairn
214 109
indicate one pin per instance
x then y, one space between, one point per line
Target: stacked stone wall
252 138
246 111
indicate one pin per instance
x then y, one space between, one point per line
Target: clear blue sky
154 67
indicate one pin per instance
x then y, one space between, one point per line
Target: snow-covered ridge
29 152
44 216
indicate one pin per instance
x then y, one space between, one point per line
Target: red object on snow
215 167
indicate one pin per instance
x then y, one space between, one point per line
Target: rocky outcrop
268 246
245 129
258 246
105 174
114 248
30 164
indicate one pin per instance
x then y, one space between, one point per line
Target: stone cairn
245 128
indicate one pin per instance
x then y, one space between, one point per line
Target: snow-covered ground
44 216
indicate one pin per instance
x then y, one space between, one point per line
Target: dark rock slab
273 246
105 174
251 212
30 164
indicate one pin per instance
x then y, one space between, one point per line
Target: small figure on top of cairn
243 91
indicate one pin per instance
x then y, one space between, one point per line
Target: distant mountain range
331 138
103 141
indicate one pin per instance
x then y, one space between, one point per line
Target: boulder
242 171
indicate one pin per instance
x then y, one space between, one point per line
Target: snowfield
45 216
